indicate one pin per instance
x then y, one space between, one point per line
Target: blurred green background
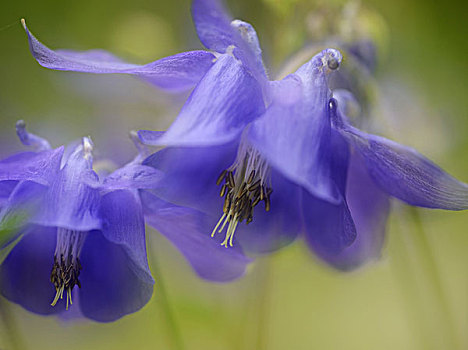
415 297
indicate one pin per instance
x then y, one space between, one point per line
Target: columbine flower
288 169
174 73
218 139
214 135
374 168
85 232
76 234
184 227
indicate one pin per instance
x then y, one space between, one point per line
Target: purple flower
76 233
79 230
286 165
186 228
285 160
174 73
264 161
219 130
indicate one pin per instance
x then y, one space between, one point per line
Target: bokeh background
415 297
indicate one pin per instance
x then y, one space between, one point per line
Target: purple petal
40 167
70 202
190 175
6 188
222 104
149 137
22 205
178 72
124 225
133 176
189 231
369 207
217 31
213 25
403 172
294 133
329 227
111 287
25 273
29 139
272 230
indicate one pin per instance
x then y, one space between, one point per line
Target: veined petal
6 188
272 230
40 167
329 227
110 285
222 104
294 132
219 32
133 176
70 202
401 171
369 207
124 225
25 273
178 72
189 230
213 25
29 139
190 174
22 206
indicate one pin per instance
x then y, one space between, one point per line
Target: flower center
67 266
244 186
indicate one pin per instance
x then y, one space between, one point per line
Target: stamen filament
243 188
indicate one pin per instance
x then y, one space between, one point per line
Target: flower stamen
243 187
67 266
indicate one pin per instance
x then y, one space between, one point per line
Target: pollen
67 266
244 186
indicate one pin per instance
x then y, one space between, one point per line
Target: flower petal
329 227
25 273
369 207
272 230
132 176
218 32
403 172
294 133
6 188
70 202
189 231
213 25
219 108
190 174
111 287
40 167
124 225
178 72
22 205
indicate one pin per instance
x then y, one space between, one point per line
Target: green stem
10 326
173 329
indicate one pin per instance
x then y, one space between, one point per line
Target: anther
67 266
221 177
